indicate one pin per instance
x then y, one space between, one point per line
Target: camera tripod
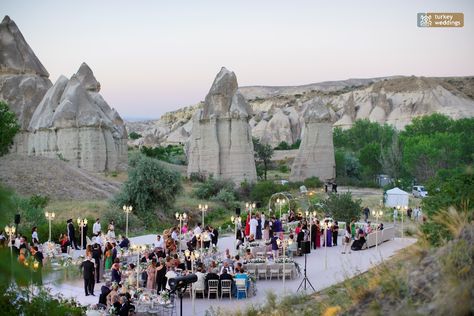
305 279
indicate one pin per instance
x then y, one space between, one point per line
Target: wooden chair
212 288
226 288
241 286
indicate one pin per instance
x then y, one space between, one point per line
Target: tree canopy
8 128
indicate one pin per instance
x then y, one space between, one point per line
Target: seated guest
113 294
251 238
124 243
380 227
227 268
225 276
359 242
104 291
170 275
116 274
237 260
248 255
124 306
242 275
211 275
238 268
64 242
200 285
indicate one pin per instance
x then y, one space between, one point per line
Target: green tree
263 154
8 128
150 185
428 125
134 135
342 207
369 159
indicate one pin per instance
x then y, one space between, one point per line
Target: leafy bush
245 190
8 128
119 218
226 197
282 146
342 207
171 153
313 182
134 135
262 191
197 177
283 169
212 186
150 184
39 201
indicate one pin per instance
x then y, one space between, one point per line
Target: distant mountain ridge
277 111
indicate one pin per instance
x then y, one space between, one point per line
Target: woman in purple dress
328 233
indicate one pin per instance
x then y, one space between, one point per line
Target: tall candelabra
280 202
235 220
50 217
127 209
82 222
10 231
377 215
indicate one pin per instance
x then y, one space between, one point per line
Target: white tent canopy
395 197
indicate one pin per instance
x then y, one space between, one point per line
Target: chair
287 271
226 288
241 285
189 290
212 288
275 270
252 269
262 270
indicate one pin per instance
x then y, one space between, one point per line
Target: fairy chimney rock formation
23 78
315 156
74 122
221 140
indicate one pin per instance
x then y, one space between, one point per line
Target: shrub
262 191
150 184
197 177
283 169
342 207
282 146
134 135
39 201
8 128
313 182
226 197
212 186
296 145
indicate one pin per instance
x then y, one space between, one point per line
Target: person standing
38 255
253 226
71 234
97 255
366 213
215 236
108 256
111 231
335 233
347 239
96 228
34 236
83 228
318 235
151 275
258 236
274 246
161 276
88 274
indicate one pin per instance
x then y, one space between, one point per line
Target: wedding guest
71 234
96 228
197 229
124 243
97 256
215 236
266 230
89 251
116 274
253 225
171 274
114 251
151 272
132 274
184 229
248 255
274 244
211 275
359 242
199 285
104 291
124 306
161 276
159 243
251 238
113 294
335 232
380 227
258 236
63 241
34 236
38 255
88 274
111 231
227 268
347 239
108 256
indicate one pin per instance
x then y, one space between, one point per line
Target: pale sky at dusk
155 56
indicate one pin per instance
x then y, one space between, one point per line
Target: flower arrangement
254 244
284 260
164 296
112 310
257 260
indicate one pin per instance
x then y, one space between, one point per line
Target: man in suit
71 234
97 255
211 275
215 235
88 268
124 306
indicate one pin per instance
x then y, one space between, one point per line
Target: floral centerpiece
254 244
257 260
164 297
284 260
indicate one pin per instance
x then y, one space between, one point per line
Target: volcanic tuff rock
315 156
69 120
74 121
221 142
23 79
392 100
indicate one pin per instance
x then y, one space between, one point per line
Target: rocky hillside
55 178
278 111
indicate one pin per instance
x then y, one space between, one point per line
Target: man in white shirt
159 243
174 234
96 227
170 275
198 230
